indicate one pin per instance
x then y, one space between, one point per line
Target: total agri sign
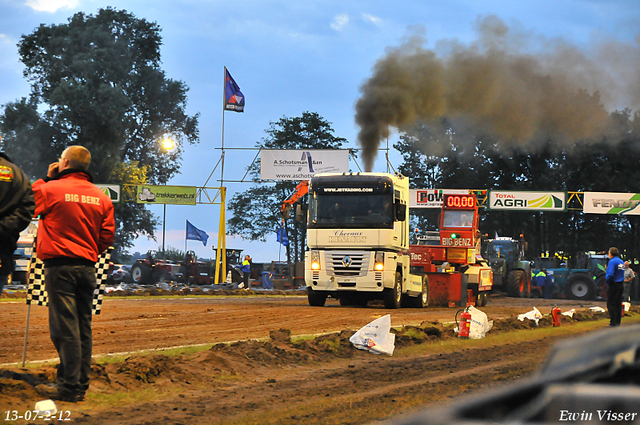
526 201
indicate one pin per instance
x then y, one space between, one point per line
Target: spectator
615 282
628 278
16 210
246 271
76 226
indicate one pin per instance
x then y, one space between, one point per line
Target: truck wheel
580 286
316 299
140 273
516 284
422 300
481 300
392 297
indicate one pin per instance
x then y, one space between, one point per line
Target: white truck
358 240
22 254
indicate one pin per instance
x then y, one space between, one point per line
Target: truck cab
358 239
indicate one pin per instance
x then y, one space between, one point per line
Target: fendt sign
526 201
611 203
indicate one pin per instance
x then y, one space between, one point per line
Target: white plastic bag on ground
569 313
627 306
376 337
597 309
480 325
534 315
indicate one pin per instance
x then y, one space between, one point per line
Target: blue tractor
586 282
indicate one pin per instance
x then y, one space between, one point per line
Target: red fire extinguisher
555 313
464 326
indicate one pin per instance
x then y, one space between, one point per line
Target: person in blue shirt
615 283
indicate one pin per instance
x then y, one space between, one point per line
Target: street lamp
167 144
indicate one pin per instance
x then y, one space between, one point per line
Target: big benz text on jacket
73 194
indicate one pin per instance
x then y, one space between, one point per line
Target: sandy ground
263 377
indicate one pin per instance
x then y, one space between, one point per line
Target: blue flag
281 236
233 97
195 234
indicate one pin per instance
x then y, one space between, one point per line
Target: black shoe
47 390
68 397
54 392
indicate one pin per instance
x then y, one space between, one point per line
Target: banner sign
176 195
430 198
278 164
527 201
111 190
611 203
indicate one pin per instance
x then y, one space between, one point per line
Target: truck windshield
351 210
501 250
457 218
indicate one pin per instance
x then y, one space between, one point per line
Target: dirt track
323 381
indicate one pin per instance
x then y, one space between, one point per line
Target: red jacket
76 218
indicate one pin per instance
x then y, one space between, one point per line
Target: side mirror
300 215
401 211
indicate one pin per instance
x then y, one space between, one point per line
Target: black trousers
614 302
70 290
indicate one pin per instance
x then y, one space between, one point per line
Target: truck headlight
379 262
315 260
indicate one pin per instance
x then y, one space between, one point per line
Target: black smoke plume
515 86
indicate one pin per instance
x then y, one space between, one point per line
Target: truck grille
348 263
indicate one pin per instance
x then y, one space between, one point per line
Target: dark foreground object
593 379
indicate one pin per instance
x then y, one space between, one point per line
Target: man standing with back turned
615 281
76 226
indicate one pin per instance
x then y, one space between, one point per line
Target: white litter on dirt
534 315
375 337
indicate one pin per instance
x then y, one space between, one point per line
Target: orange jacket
76 218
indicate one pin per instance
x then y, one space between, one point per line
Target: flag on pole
195 234
281 236
233 97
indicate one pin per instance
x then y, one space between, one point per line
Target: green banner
176 195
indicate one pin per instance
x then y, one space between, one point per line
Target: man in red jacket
76 226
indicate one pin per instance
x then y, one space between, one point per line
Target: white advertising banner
430 198
527 201
611 203
277 164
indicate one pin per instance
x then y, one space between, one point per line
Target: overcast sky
289 57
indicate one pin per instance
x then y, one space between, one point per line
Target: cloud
339 21
51 5
371 19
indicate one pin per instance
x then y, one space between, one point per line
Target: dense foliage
440 159
96 81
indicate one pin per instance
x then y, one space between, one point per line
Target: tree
437 155
256 211
96 81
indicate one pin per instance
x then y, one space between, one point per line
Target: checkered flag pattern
37 294
102 272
